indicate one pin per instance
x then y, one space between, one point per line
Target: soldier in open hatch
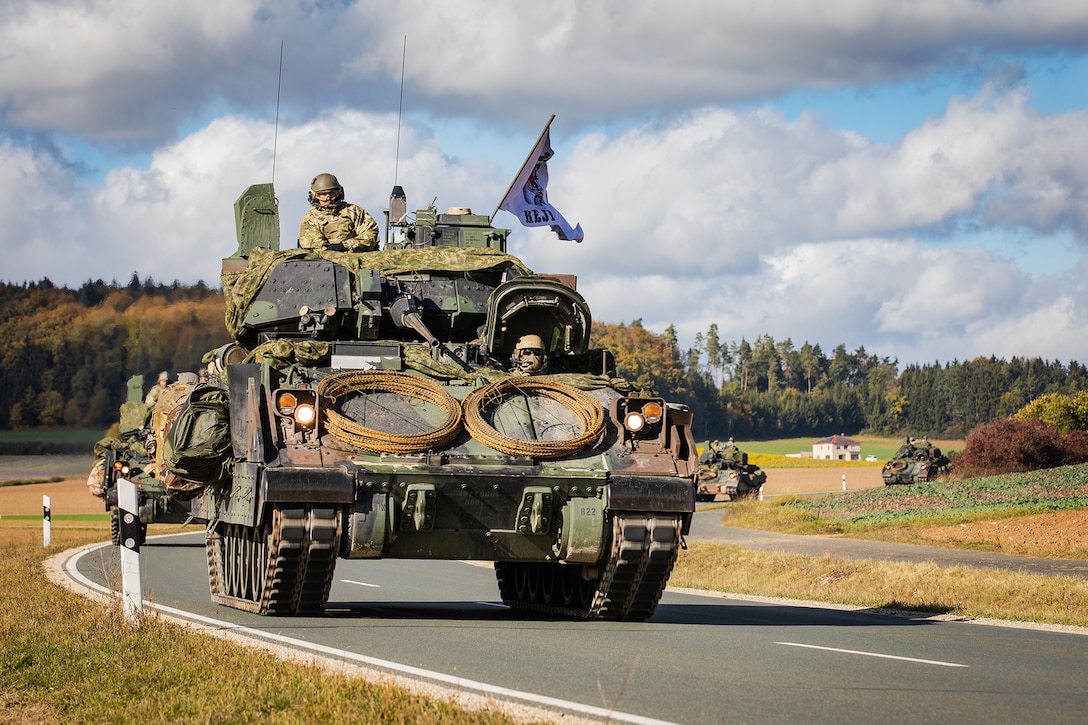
530 357
334 224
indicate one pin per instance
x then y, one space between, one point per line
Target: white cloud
134 73
695 211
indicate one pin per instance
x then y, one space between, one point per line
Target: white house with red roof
837 448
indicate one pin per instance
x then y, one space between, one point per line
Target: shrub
1059 411
1008 446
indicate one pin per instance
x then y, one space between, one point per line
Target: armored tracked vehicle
132 456
724 470
916 461
377 409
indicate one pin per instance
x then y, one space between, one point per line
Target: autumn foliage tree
1060 411
68 354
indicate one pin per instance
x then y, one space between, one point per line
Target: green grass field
89 436
80 518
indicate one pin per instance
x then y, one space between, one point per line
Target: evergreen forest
68 354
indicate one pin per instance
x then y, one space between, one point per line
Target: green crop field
882 448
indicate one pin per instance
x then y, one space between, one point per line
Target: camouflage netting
240 289
283 353
133 415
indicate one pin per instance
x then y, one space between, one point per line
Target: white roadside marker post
47 524
844 482
128 502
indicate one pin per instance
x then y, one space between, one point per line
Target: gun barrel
413 320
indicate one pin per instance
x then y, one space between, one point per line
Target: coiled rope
589 411
387 381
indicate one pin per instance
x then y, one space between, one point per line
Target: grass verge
65 659
922 587
29 481
61 518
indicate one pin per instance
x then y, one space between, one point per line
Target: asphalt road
699 659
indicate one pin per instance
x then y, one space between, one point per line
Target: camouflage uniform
349 228
156 389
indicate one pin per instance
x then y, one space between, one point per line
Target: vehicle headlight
298 405
305 415
640 417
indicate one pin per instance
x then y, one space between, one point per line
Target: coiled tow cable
388 381
589 411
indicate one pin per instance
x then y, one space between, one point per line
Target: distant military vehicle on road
133 456
916 461
724 471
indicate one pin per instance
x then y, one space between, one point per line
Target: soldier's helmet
530 355
321 186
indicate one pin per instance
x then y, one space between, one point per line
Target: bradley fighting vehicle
916 461
371 412
724 469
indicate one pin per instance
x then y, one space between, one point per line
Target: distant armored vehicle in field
916 461
435 399
133 456
724 470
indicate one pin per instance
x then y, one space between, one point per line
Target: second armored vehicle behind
724 470
134 455
916 461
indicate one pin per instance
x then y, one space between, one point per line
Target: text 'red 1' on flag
527 197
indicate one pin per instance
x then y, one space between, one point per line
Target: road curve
700 659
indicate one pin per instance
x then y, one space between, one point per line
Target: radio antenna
400 108
276 133
397 213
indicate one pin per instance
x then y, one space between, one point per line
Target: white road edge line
362 584
71 567
873 654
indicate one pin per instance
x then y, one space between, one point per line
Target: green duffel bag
197 446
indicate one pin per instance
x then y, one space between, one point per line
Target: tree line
769 388
68 354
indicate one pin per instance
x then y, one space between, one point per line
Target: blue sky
907 177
